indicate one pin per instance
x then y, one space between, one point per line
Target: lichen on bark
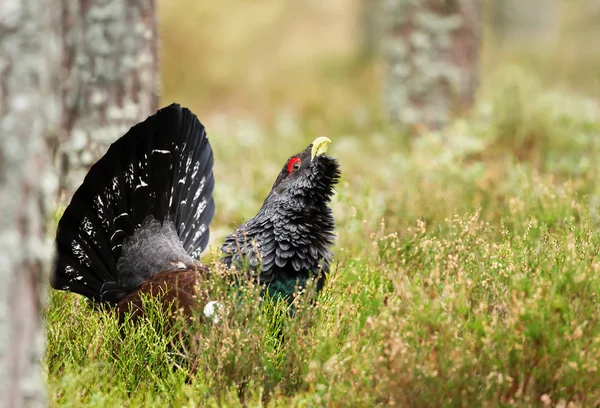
111 78
432 52
29 116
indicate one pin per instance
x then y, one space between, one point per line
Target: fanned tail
145 206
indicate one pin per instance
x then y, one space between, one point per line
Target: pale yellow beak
319 146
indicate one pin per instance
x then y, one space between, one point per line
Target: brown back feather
177 290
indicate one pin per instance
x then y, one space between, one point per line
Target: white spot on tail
198 234
200 209
199 190
195 171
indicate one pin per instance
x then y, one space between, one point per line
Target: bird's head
307 178
291 237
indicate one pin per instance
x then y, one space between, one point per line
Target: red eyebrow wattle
291 163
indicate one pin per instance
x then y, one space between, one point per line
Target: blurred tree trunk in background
371 26
111 78
432 49
29 117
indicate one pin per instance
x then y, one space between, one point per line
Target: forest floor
467 266
467 272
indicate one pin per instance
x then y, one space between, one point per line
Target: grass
466 274
467 268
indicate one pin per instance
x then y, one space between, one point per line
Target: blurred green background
263 57
268 76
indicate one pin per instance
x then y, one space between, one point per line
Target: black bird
140 220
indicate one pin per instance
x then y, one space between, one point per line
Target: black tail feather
160 169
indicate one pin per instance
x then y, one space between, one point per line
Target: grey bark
432 50
29 114
111 78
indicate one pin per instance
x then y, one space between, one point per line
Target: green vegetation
467 274
467 268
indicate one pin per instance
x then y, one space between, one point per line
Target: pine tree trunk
29 64
111 81
432 49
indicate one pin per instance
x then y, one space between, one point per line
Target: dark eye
294 164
